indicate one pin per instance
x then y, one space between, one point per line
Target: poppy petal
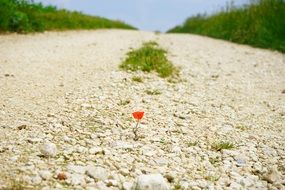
138 115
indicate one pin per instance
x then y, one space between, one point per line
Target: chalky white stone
48 149
151 182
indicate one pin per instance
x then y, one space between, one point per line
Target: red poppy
138 115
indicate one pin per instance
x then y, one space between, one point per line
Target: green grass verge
150 57
26 16
260 24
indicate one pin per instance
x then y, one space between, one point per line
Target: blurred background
259 23
149 15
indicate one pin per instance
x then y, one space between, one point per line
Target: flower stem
135 130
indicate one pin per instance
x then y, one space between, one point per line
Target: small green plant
212 178
124 102
177 186
137 79
162 141
242 127
214 161
153 92
218 146
189 144
150 57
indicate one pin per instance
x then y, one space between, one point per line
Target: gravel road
65 113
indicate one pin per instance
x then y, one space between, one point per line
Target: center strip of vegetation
150 57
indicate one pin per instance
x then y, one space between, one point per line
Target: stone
162 161
96 150
34 140
272 175
45 174
111 183
169 178
14 158
176 149
128 186
61 176
66 139
48 149
76 179
240 162
122 145
151 182
36 179
76 169
124 171
98 173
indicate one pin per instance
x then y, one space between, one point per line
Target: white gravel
65 88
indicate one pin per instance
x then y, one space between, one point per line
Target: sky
148 15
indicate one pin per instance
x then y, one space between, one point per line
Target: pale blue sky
147 15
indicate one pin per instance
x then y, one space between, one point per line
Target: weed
242 127
212 178
137 79
149 58
195 143
162 141
177 186
153 92
124 102
218 146
214 161
260 24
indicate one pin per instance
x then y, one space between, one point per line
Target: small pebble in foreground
151 182
48 149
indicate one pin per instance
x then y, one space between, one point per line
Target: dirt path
66 88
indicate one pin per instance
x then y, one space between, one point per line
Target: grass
150 57
27 16
177 186
195 143
137 79
260 24
218 146
124 102
214 161
153 92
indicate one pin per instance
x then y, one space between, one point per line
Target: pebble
240 162
48 149
124 171
45 174
111 183
273 175
128 186
76 169
76 179
66 139
96 172
151 182
96 150
122 145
